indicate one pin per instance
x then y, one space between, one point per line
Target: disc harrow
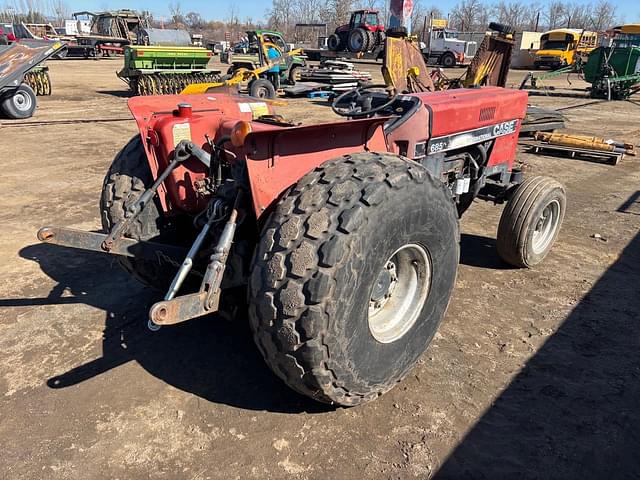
39 80
168 83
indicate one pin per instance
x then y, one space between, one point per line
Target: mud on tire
128 177
321 251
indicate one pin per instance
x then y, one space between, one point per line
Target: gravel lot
533 374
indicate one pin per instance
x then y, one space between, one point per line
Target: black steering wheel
358 102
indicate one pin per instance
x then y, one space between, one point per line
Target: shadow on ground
213 358
480 251
573 412
210 357
124 93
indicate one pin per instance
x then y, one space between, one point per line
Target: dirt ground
533 374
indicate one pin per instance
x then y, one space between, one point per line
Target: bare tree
281 16
513 13
468 15
555 14
60 11
577 15
177 17
603 15
533 17
194 20
420 17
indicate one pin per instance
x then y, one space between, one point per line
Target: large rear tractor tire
352 276
381 38
371 40
358 40
128 177
19 104
531 221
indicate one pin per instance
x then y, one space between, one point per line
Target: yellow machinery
258 86
405 70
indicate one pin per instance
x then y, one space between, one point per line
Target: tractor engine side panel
462 118
466 109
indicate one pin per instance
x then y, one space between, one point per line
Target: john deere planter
38 79
159 70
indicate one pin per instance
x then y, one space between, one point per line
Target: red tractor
343 235
363 33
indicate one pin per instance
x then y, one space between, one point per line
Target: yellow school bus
562 47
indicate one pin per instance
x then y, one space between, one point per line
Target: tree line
283 15
466 15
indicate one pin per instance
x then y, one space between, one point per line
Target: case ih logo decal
464 139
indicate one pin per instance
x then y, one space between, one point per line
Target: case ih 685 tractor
344 235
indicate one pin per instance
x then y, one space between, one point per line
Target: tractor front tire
262 88
19 104
128 177
531 221
352 276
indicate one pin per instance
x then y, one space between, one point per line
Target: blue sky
219 10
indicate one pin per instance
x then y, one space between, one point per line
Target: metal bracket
128 247
174 310
185 307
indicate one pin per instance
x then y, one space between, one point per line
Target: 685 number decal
471 137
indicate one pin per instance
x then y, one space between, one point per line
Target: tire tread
295 346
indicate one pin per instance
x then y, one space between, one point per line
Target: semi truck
443 47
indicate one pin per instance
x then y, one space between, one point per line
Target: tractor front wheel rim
546 227
399 293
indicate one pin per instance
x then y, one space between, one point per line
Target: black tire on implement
128 177
321 252
531 221
262 88
19 104
294 74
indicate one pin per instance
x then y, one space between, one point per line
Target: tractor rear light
239 133
140 53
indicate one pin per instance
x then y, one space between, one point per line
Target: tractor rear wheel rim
399 293
546 227
22 101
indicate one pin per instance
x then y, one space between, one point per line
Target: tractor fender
277 158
